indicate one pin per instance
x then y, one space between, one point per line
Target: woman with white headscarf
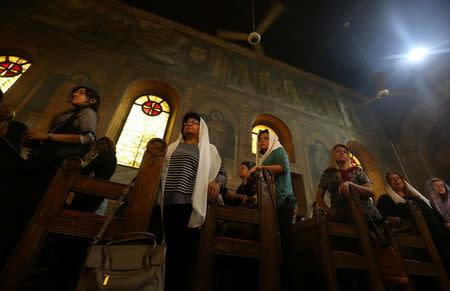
192 175
272 155
392 206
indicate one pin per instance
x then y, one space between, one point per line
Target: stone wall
112 47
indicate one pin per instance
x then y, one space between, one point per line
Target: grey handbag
134 261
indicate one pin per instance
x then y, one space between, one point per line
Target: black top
433 219
245 189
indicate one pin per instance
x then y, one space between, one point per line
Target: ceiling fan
254 37
383 92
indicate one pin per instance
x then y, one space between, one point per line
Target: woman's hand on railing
344 188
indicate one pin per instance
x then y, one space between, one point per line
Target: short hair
90 93
188 115
339 145
248 164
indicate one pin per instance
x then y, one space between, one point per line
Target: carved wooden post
269 263
205 264
423 231
34 236
360 220
146 187
325 254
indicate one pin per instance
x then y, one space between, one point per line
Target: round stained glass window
152 108
10 69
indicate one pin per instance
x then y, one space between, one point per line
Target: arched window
147 119
355 161
11 68
255 131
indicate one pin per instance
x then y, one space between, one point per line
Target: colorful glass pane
355 161
255 131
151 108
165 106
11 68
155 98
141 100
142 125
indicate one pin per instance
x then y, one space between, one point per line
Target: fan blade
379 80
270 18
259 50
402 92
365 104
227 34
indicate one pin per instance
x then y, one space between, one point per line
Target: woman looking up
271 155
192 175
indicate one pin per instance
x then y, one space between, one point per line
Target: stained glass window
11 68
255 131
147 119
355 161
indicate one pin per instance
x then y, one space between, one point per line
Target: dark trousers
182 248
285 212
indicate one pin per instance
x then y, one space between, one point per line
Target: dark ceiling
310 34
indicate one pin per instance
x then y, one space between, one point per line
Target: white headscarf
273 145
399 199
208 167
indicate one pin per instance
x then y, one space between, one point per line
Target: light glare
417 54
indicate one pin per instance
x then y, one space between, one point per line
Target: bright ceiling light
417 54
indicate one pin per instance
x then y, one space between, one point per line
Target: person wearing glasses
436 190
192 176
392 206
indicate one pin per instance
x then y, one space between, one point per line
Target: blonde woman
339 179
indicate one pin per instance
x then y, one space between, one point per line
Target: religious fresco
135 48
178 53
318 157
221 133
51 98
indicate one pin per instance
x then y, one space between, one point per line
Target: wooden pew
418 238
266 249
49 216
317 233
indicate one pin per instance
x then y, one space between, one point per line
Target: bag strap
122 196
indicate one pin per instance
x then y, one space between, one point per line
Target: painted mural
221 133
175 52
51 97
318 157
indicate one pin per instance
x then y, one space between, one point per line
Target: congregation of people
192 176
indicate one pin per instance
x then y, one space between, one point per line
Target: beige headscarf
273 145
208 167
399 199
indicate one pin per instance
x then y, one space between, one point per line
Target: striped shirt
182 169
182 172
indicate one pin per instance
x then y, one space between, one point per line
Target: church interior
371 78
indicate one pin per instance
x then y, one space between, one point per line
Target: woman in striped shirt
192 175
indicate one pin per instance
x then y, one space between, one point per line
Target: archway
370 166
